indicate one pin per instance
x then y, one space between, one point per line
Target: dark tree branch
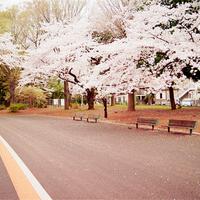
103 72
95 61
74 76
70 81
159 38
190 34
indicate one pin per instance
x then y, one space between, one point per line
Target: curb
101 121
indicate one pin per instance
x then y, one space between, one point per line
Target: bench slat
147 121
78 116
182 124
93 117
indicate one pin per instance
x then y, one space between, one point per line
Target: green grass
154 107
141 107
16 107
123 107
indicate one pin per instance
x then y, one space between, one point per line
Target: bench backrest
79 115
147 121
94 116
182 123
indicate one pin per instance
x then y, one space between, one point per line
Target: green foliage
3 90
9 79
174 3
13 108
159 57
142 63
170 24
75 106
32 96
154 68
77 99
40 103
57 88
22 106
193 9
5 22
16 107
191 72
2 107
181 23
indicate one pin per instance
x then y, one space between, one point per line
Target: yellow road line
22 186
25 183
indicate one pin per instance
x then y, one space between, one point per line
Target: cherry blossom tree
174 52
59 53
27 21
10 60
154 47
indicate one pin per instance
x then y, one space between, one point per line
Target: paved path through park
80 160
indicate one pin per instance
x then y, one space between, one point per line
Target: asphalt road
77 160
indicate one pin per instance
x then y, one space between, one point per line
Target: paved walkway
77 160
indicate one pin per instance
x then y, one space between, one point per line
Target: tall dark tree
3 90
90 95
11 76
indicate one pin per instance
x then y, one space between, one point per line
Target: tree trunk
90 98
30 101
81 100
112 100
66 95
105 107
131 101
150 99
12 92
172 100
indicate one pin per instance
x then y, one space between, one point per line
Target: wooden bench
182 124
78 116
146 121
93 118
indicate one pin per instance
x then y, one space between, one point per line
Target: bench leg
168 129
95 120
152 127
190 131
81 118
136 125
87 120
73 118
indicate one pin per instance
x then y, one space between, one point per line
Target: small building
140 97
188 90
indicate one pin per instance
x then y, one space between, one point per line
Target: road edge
37 187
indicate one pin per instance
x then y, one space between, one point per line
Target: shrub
32 96
78 99
75 106
22 106
40 103
2 107
16 107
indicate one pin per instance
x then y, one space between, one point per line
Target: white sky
7 3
